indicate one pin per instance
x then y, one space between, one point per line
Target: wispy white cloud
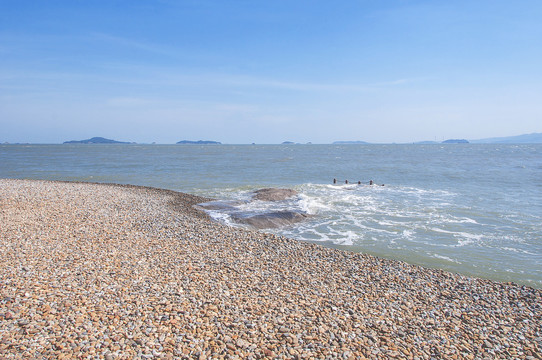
128 102
180 76
134 44
163 76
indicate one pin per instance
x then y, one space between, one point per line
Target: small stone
120 271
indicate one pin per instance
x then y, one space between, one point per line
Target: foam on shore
97 270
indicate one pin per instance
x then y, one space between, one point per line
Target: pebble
118 271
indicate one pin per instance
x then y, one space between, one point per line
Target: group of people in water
371 182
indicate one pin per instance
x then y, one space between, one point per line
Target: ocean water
465 208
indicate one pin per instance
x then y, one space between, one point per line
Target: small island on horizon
96 140
455 141
533 138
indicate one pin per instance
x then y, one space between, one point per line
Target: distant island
534 138
96 140
199 142
455 141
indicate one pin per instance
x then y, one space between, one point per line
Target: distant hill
199 142
95 140
349 142
455 141
534 138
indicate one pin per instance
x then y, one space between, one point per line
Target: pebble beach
101 271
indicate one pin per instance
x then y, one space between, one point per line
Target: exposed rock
272 220
270 194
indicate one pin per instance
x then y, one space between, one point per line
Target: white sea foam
408 234
463 221
442 257
389 220
313 205
484 199
464 242
221 217
520 251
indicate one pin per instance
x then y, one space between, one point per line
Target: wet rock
272 220
271 194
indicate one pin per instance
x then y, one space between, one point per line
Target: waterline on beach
473 209
425 227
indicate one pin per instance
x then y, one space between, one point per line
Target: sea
473 209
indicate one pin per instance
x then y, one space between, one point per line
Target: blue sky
269 71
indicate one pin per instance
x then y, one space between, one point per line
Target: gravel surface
102 271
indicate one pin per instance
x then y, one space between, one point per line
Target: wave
349 213
421 225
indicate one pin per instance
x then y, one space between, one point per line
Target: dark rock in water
272 220
273 194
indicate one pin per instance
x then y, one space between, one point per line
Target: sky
263 72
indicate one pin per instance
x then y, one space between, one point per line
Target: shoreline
110 270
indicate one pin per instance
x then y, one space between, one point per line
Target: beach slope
112 271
